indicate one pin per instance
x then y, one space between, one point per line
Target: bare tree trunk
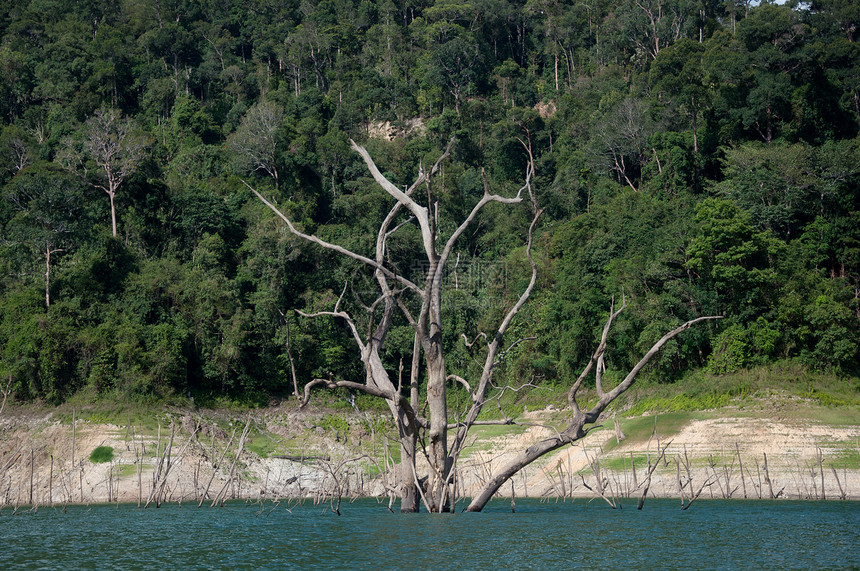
137 462
522 460
47 275
292 362
6 393
767 477
820 457
410 498
32 465
112 194
439 464
619 434
842 494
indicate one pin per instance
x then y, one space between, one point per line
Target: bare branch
463 382
486 199
601 347
333 247
631 376
577 430
418 211
490 362
508 350
343 315
407 314
475 340
528 291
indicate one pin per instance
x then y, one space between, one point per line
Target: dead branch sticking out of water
651 467
222 494
687 501
601 482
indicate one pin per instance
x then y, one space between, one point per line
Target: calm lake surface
713 534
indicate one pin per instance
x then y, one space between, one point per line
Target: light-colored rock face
723 456
402 129
191 466
726 454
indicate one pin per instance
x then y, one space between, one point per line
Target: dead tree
421 306
110 142
255 142
165 464
221 496
646 483
577 428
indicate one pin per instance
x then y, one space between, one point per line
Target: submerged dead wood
231 479
577 428
422 427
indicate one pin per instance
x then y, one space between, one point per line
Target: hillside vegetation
695 157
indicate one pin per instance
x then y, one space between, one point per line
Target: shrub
101 455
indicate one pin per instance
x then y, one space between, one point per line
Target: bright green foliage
737 261
101 454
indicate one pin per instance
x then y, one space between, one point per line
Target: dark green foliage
695 158
101 454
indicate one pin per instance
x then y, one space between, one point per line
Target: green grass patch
486 432
847 458
126 470
639 429
101 455
621 463
828 399
700 390
335 423
513 403
263 445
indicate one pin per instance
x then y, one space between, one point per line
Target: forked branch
577 430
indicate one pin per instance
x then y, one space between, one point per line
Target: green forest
697 157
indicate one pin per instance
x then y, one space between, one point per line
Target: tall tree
427 324
46 205
255 142
112 144
426 317
678 74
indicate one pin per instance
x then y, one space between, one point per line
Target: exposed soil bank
289 454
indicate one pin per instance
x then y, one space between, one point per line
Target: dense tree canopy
701 157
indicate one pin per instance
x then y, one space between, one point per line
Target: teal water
713 534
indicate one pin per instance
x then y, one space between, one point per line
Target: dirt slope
288 454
